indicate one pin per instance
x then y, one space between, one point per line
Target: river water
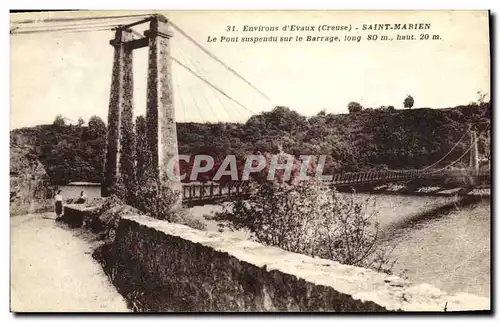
446 247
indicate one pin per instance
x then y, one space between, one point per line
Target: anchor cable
209 83
197 66
183 55
206 51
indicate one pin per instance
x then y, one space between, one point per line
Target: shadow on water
432 214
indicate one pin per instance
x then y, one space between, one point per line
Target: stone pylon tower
160 112
120 114
474 154
161 128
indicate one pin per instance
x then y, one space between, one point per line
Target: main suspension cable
449 152
48 20
64 30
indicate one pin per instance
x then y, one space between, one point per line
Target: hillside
357 141
67 152
29 183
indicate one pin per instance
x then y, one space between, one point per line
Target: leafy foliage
59 121
408 102
162 202
67 152
158 200
354 107
362 141
29 186
311 219
142 154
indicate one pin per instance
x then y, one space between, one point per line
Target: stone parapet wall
160 266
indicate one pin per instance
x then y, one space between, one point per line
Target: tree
354 107
481 97
142 153
390 108
80 122
314 220
408 102
96 142
59 121
97 128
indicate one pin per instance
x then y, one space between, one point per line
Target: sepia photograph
250 161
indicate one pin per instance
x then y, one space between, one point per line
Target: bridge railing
216 191
213 191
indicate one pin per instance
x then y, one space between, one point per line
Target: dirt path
52 270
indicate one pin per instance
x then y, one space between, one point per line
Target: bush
312 219
354 107
162 202
156 200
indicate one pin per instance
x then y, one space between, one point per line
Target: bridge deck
196 192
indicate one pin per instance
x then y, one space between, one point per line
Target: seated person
82 198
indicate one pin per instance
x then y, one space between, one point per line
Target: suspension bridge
161 107
467 178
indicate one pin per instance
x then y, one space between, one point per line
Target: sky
70 73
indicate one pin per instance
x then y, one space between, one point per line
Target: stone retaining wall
160 266
76 216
